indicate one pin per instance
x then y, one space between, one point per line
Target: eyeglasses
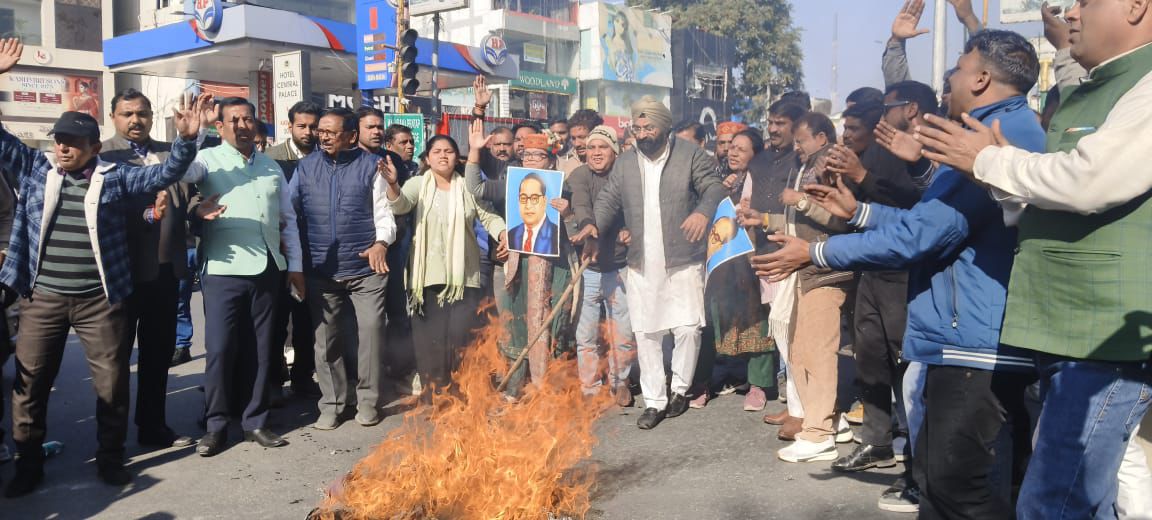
894 104
328 133
531 199
645 128
533 155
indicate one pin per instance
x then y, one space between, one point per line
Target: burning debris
472 454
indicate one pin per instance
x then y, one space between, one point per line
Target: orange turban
730 128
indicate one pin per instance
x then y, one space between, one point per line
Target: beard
652 146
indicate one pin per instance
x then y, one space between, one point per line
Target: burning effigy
472 453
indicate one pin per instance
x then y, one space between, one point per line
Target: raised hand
10 51
947 142
901 144
477 139
967 15
1055 27
210 208
694 227
387 170
844 162
189 114
483 95
838 199
904 26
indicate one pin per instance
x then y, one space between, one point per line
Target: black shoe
650 418
163 438
114 474
181 356
305 389
677 405
866 456
900 498
26 480
265 438
211 443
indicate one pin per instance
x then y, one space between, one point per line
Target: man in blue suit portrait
538 233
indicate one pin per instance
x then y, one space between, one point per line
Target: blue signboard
375 27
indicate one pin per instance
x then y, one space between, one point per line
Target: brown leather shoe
776 419
791 427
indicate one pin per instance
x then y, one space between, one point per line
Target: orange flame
472 454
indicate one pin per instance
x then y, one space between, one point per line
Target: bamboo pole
568 291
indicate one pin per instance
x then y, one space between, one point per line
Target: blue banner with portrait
533 224
726 239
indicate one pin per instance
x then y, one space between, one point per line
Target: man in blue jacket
346 233
959 254
68 260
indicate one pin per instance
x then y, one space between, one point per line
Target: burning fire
473 455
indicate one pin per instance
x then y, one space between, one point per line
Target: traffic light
408 67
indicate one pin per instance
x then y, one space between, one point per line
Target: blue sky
864 27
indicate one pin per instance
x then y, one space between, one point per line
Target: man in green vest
249 238
1079 294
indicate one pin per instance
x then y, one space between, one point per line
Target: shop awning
248 37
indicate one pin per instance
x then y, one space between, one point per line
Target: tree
767 43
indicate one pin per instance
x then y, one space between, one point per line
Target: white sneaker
898 445
807 451
843 430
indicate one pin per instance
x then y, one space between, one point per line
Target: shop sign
535 53
290 84
207 16
46 95
495 50
538 82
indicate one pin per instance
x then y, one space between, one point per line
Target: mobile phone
295 294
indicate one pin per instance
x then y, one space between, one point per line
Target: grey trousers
349 319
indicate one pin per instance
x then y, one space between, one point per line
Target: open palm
904 26
10 51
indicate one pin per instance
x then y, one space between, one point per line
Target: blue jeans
183 304
604 289
1090 410
913 398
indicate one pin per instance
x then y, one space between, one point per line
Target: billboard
375 28
1018 11
47 95
636 45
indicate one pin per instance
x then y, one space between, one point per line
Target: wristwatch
802 204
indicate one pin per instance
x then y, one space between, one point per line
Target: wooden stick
568 291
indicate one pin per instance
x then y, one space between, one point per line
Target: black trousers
881 316
151 312
238 308
964 411
45 320
303 340
442 333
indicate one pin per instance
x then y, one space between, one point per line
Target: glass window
554 9
78 25
21 18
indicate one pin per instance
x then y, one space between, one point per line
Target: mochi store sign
291 83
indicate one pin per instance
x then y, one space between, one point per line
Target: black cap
77 123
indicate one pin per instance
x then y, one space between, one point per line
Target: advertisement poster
1019 11
726 239
40 95
637 45
533 224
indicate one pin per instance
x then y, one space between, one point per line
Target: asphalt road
718 463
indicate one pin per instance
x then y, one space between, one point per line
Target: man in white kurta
667 191
667 302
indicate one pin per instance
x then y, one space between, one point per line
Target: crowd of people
981 261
